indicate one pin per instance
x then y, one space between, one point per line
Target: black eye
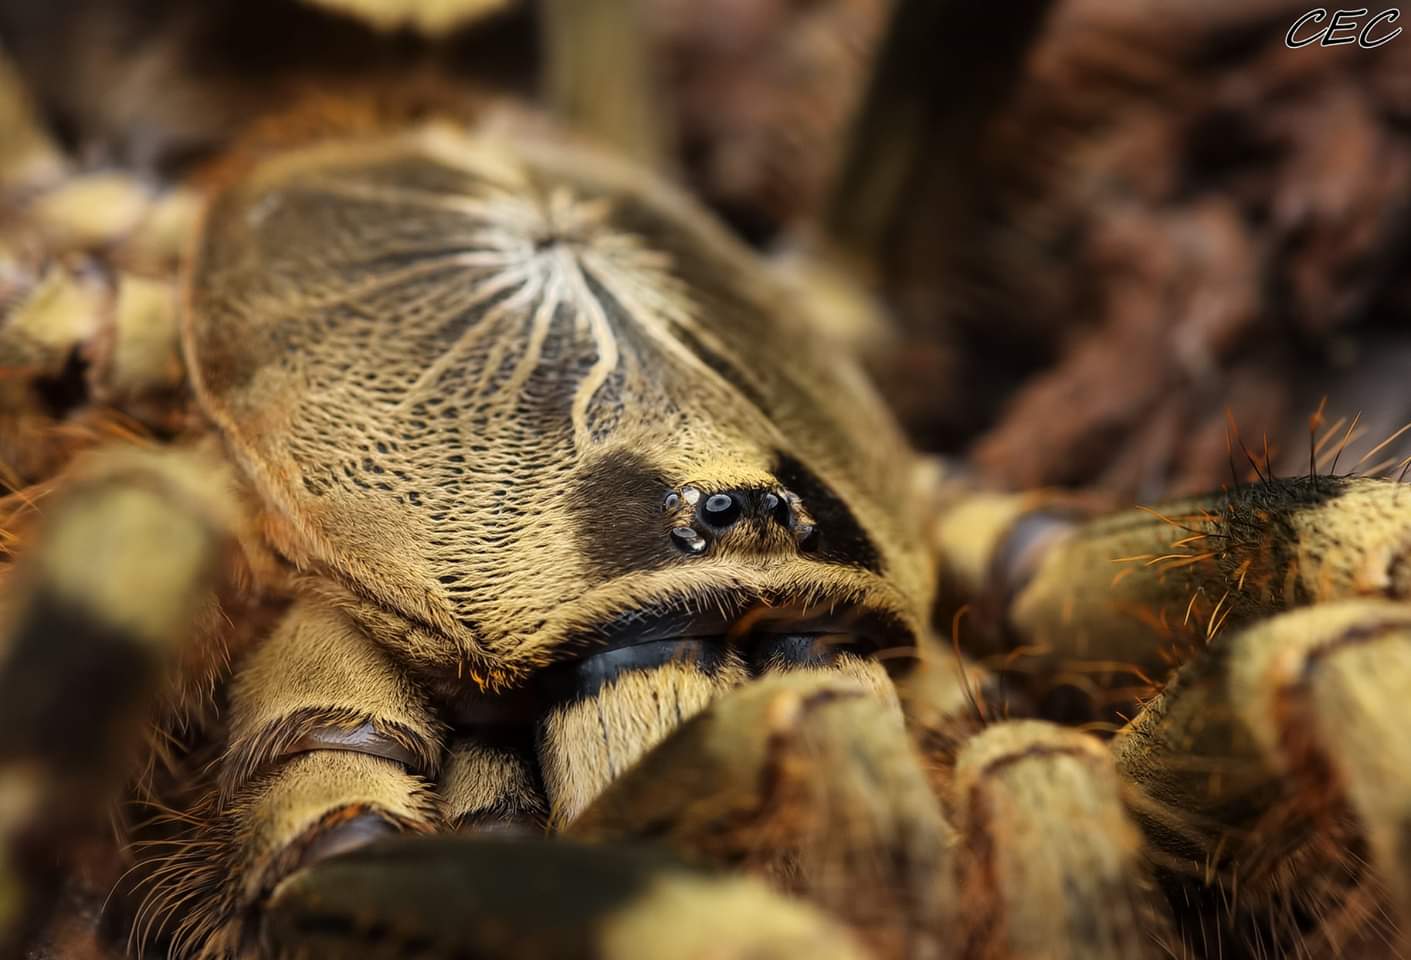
777 508
720 510
688 539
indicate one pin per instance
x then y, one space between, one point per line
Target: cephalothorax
442 356
515 495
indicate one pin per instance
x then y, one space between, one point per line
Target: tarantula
501 492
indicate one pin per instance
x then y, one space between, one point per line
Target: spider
495 557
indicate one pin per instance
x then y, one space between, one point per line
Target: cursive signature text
1343 26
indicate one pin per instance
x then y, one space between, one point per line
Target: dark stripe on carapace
617 518
840 538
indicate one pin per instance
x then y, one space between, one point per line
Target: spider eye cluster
700 517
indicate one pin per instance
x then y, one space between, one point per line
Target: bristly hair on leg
1315 420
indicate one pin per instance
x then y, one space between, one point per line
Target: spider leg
810 779
1048 862
588 742
616 106
96 616
1109 604
932 92
485 786
946 700
330 746
88 307
460 896
1269 762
